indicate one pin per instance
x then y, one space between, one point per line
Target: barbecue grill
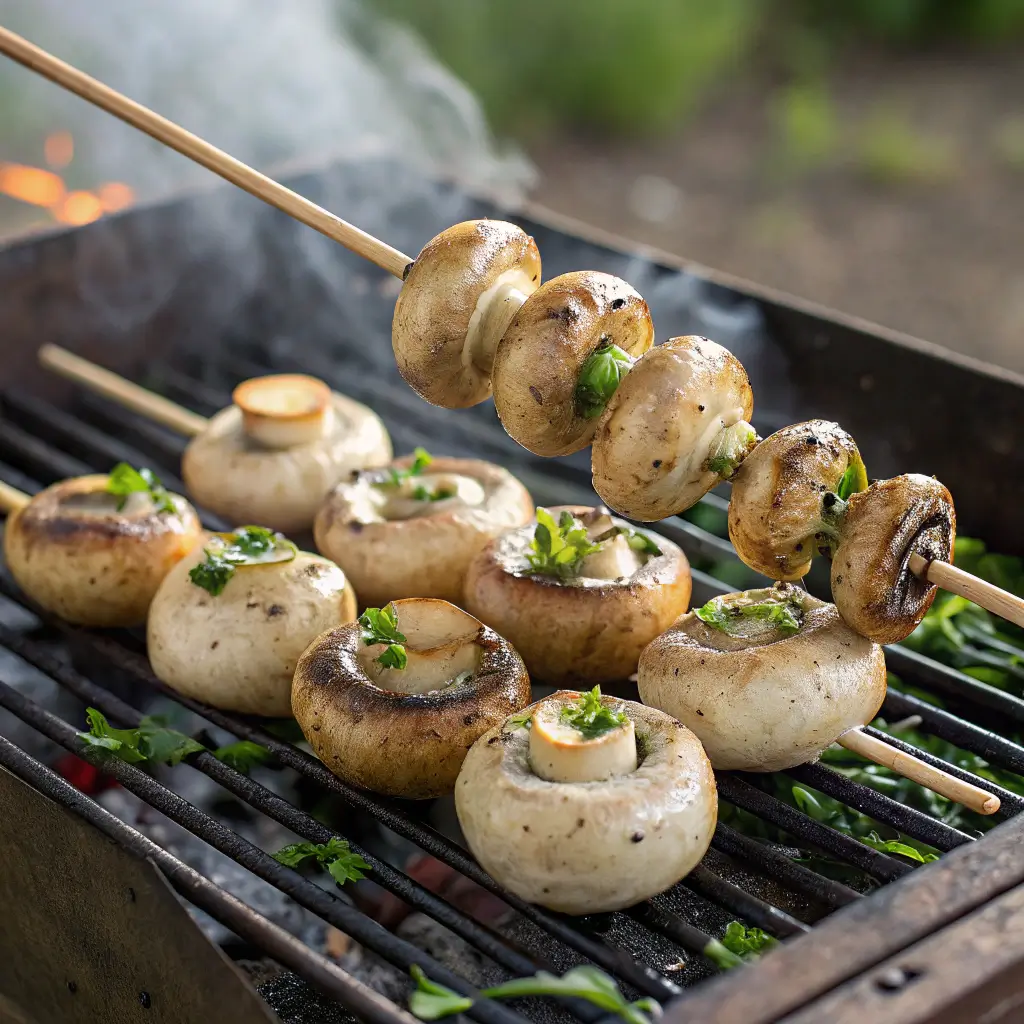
168 296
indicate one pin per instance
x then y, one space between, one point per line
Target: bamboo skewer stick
956 581
124 392
202 152
11 499
970 796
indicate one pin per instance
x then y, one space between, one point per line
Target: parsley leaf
728 616
599 378
125 480
558 549
421 493
421 458
876 842
243 756
589 716
522 720
734 444
334 856
748 943
248 545
431 1001
380 626
151 741
853 480
639 542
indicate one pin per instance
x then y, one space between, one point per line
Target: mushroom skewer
767 679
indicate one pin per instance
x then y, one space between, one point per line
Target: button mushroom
563 356
457 300
274 454
779 503
412 529
393 702
766 678
676 426
227 626
94 549
586 804
579 597
879 529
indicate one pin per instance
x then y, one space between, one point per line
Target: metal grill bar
705 882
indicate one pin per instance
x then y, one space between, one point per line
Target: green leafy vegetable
784 613
589 716
126 480
522 720
151 741
599 376
558 549
334 856
876 842
431 1001
248 545
380 626
855 479
639 542
421 493
243 756
721 956
734 445
748 943
421 458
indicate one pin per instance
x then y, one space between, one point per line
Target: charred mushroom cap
457 300
763 704
426 553
238 650
585 847
576 631
71 550
397 741
872 585
244 468
662 425
539 358
775 509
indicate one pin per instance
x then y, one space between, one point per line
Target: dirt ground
929 240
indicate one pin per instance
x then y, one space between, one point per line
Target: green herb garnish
151 741
599 376
639 542
421 493
248 545
739 945
734 445
854 480
380 626
421 458
589 716
334 856
876 842
781 613
522 720
431 1001
243 756
558 549
126 480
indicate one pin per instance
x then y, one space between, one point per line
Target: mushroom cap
585 847
426 555
238 650
765 706
89 563
438 301
577 631
775 507
399 743
244 481
655 435
872 585
539 358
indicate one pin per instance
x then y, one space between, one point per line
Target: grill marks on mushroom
405 732
83 558
765 699
612 837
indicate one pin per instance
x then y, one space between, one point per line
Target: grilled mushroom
397 716
562 357
778 504
586 803
879 529
411 530
767 679
96 556
458 297
227 626
676 427
275 453
579 598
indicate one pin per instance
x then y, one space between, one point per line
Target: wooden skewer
991 598
910 767
11 499
122 391
212 158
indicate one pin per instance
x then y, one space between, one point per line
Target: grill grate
40 443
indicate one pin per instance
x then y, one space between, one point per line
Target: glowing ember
59 149
31 185
78 208
114 196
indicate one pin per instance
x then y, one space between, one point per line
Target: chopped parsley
855 479
334 856
421 493
558 549
380 626
248 545
599 378
729 616
151 741
520 720
125 480
734 444
243 756
639 542
590 717
421 458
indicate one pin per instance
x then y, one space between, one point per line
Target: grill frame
38 428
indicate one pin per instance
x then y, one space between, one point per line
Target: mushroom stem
733 444
284 410
495 310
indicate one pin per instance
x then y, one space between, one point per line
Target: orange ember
114 196
31 185
59 149
78 208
